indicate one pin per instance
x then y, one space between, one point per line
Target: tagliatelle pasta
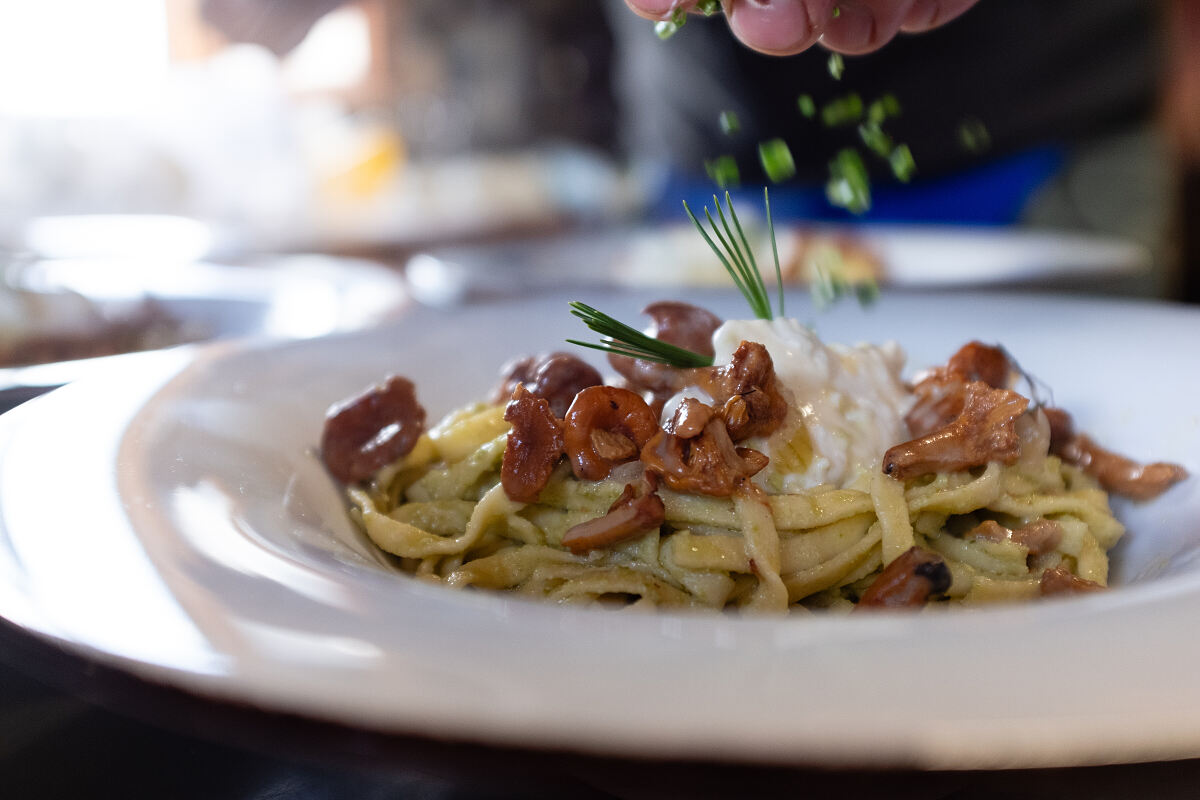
443 512
789 475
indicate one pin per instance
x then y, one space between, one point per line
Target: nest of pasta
570 490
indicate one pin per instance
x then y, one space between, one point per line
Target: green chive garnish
774 248
729 123
883 107
708 7
902 163
875 138
842 111
723 170
829 283
620 339
973 135
848 185
837 65
806 105
669 27
777 160
837 11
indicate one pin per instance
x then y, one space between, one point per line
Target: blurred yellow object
367 168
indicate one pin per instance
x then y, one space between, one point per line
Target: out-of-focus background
472 147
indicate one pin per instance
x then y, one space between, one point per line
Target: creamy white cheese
846 404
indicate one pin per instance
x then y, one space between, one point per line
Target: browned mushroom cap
976 361
910 580
1062 581
1115 472
606 426
984 431
941 392
370 431
680 324
1119 474
534 446
689 418
747 391
637 511
555 377
707 464
1039 537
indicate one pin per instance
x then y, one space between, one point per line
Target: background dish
279 297
215 556
903 256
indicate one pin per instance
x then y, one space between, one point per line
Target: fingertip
657 9
862 26
779 27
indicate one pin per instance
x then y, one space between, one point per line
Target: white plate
908 256
171 519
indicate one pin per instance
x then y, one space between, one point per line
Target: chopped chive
883 107
902 163
875 138
776 160
774 248
806 105
837 11
708 7
842 111
723 170
867 292
973 135
669 27
837 65
620 339
848 185
730 124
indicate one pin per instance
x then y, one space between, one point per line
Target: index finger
779 27
658 9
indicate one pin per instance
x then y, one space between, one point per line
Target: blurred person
1065 91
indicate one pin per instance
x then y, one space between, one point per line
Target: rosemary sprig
622 340
738 259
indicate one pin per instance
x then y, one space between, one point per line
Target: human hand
785 27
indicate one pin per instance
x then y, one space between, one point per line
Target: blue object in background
994 193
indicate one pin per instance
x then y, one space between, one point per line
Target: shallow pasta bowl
171 519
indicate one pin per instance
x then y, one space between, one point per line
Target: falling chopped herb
837 65
730 124
883 107
875 138
842 111
867 292
806 105
708 7
973 135
902 163
669 27
848 185
723 170
828 282
837 11
777 160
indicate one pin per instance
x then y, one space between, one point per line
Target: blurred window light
72 58
336 54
